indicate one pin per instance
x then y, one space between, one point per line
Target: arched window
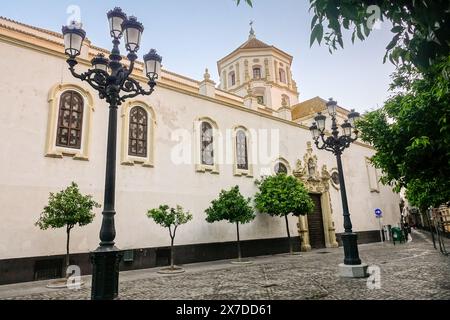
335 182
285 100
260 100
241 150
280 168
260 94
232 79
70 120
282 75
138 135
257 73
207 144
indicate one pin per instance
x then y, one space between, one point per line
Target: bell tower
261 72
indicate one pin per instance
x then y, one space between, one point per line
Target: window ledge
205 168
243 173
56 154
133 162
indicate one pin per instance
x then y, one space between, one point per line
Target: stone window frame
52 150
231 79
126 158
285 98
242 172
261 76
283 76
284 162
199 166
260 92
335 185
370 167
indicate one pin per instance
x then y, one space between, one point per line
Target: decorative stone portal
317 184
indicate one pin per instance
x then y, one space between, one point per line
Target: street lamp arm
325 146
345 142
132 58
328 144
134 89
324 141
96 78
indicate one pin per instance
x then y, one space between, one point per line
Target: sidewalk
408 271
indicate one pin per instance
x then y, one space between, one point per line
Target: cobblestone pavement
408 271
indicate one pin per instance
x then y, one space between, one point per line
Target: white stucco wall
27 176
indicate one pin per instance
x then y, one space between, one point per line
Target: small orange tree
282 195
66 209
170 218
231 206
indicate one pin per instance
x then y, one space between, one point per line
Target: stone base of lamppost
105 273
352 266
353 271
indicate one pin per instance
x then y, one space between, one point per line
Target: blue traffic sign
378 213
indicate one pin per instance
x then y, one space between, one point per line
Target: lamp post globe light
337 143
114 84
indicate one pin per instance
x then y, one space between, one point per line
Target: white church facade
253 117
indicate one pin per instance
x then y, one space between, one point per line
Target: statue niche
309 173
311 168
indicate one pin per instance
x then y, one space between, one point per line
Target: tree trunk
238 243
291 250
431 228
67 252
172 265
301 242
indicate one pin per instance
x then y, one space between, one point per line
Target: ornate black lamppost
113 82
336 144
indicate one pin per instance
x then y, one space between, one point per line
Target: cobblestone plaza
408 271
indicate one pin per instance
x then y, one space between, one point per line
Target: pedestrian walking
407 232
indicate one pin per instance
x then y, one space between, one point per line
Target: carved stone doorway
318 184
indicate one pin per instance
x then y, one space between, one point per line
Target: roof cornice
240 49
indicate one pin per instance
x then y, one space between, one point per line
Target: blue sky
194 34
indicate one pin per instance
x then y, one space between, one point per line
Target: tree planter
170 270
63 284
242 263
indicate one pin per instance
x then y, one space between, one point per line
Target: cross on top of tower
252 31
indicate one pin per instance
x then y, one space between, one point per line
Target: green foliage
231 206
431 193
67 209
281 195
411 134
249 2
420 28
170 217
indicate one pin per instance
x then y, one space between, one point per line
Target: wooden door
315 225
